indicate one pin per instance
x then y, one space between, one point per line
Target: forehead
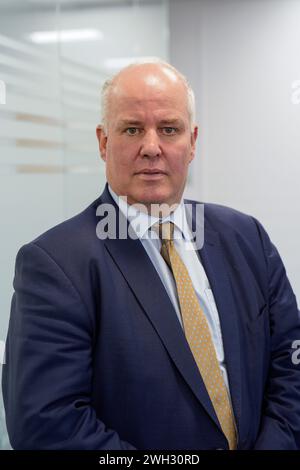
149 89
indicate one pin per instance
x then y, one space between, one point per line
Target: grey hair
108 85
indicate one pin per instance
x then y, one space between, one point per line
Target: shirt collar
142 222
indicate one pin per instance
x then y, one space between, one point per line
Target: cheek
121 154
179 159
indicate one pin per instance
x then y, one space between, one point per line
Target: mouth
151 174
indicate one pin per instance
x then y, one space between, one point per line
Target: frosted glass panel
54 57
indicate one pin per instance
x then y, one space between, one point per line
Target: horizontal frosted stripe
41 120
28 130
84 169
89 73
38 143
95 71
88 158
26 66
90 93
81 74
86 139
21 47
82 125
79 100
75 118
30 169
30 126
80 147
47 73
51 169
80 104
39 169
70 125
10 154
72 113
23 104
49 90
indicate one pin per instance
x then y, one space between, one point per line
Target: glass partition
54 56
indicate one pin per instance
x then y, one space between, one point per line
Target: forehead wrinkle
139 103
140 97
136 112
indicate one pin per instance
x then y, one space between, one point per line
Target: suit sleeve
47 377
280 423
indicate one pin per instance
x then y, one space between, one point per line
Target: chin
152 201
154 196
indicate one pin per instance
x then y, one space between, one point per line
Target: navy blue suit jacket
96 357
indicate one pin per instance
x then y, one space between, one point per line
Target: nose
151 144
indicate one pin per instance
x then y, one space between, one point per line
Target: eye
132 130
169 130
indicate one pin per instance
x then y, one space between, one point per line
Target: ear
102 139
194 135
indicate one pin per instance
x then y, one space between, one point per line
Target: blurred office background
242 59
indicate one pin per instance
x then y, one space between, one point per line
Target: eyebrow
126 122
135 122
175 121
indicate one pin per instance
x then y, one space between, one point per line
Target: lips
151 172
151 175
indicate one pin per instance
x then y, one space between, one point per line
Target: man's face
149 143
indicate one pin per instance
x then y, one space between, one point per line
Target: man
140 342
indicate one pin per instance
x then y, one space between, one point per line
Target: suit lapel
144 281
214 263
146 285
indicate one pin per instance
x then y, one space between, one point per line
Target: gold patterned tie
198 334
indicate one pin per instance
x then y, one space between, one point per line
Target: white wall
242 57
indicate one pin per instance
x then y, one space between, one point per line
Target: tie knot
165 231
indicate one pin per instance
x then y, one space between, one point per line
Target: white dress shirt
141 223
